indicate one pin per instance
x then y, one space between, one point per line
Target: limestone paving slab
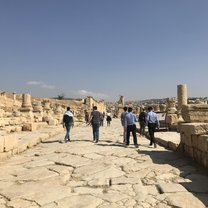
35 174
184 200
72 160
171 188
81 201
40 162
125 189
82 174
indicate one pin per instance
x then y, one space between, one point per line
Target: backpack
108 118
67 119
142 117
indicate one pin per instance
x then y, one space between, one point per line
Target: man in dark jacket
142 122
95 122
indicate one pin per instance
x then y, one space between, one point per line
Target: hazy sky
140 49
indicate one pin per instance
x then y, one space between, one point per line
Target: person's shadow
110 143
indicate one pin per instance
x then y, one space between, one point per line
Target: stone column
4 98
182 96
14 98
171 113
26 108
26 101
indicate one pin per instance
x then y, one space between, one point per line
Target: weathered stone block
203 143
41 125
1 122
163 142
18 128
194 128
52 122
198 156
10 142
5 155
4 122
23 120
171 188
15 151
13 122
171 118
188 141
43 137
194 139
183 137
195 113
189 151
29 127
22 147
10 129
33 141
204 161
172 146
184 199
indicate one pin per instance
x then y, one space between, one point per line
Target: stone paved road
81 174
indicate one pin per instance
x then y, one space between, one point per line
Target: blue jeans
68 128
95 129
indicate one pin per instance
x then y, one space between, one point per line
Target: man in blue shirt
153 123
129 123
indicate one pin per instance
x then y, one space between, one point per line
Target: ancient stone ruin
193 127
22 112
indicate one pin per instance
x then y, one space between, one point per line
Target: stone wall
17 110
194 141
22 113
90 102
195 113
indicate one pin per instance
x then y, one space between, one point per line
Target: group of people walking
95 119
128 121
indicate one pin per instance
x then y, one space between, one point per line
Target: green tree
61 96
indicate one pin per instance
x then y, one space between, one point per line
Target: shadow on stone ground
48 142
197 176
109 143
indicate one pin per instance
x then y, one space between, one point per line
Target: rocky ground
82 174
